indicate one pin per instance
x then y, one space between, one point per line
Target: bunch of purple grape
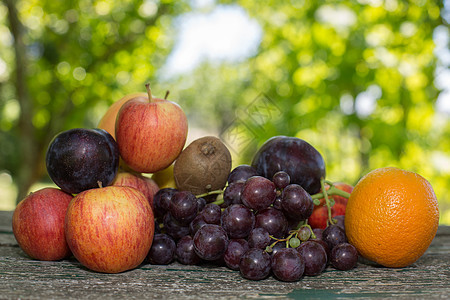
258 228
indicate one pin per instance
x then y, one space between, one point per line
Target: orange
392 216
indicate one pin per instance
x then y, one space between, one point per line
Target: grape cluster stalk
257 226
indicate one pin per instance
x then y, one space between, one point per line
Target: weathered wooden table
21 277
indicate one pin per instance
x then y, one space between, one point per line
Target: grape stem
219 201
327 200
292 234
331 192
216 192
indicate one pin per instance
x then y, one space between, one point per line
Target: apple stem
167 95
149 92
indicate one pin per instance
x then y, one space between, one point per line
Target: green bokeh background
63 63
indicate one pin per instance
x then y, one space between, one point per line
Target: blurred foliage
358 87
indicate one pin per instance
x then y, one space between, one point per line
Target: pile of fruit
277 215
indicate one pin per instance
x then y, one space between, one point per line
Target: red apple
338 209
319 217
151 133
108 121
38 224
110 229
145 185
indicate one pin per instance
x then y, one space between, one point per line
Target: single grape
162 250
314 256
196 224
325 246
255 264
232 193
340 221
281 179
304 233
236 248
211 213
258 193
183 207
277 203
259 238
201 202
288 264
273 221
210 242
344 257
294 242
174 228
334 235
185 252
162 200
241 173
318 233
293 224
296 202
237 220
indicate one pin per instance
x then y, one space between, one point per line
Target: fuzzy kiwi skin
203 166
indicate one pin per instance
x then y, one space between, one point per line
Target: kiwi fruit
203 166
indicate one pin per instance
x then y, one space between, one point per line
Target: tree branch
25 126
